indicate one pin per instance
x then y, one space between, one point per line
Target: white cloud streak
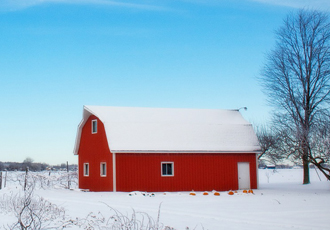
157 5
323 5
12 5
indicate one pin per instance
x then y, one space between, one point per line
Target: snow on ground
281 202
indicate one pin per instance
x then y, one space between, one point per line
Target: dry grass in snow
281 202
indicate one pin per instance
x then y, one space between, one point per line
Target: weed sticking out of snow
30 211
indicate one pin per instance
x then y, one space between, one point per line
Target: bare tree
296 80
270 145
28 162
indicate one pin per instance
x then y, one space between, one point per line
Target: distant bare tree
2 167
28 162
296 80
269 142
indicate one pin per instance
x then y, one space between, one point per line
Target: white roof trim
188 152
86 114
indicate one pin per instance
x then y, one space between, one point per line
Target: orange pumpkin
217 194
245 191
230 193
205 193
192 194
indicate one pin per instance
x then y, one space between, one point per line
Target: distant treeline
32 166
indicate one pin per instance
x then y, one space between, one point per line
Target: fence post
26 174
67 169
0 180
5 179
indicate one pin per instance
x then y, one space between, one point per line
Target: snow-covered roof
130 129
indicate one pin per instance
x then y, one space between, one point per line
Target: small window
94 126
167 169
86 169
103 169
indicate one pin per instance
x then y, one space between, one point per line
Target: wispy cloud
22 4
313 4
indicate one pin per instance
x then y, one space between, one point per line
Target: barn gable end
94 151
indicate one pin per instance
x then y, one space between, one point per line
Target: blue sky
58 55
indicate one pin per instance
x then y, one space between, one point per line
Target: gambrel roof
145 130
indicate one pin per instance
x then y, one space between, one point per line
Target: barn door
243 175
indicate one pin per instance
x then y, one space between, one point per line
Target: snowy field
280 203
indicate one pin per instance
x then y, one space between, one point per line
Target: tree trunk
306 170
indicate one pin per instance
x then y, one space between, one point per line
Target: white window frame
103 173
86 172
161 168
94 131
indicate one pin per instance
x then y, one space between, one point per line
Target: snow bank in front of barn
283 203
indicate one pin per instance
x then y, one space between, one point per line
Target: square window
167 169
94 126
86 169
103 169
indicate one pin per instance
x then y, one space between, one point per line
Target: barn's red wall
199 172
93 149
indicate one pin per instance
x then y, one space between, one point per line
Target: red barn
158 149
